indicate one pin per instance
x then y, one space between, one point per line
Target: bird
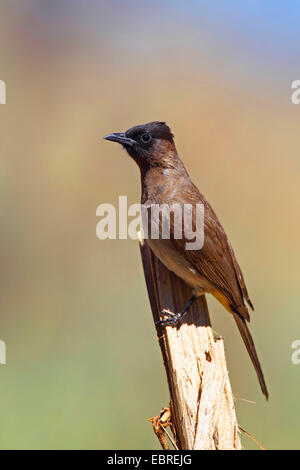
212 269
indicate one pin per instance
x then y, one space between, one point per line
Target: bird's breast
175 262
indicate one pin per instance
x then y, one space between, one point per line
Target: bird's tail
247 338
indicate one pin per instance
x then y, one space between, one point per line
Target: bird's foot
167 313
172 318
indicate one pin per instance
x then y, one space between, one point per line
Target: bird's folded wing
216 262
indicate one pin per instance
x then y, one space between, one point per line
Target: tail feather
247 338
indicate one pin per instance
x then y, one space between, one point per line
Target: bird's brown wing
216 262
239 276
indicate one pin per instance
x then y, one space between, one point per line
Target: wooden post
202 405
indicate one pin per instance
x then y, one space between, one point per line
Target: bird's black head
145 143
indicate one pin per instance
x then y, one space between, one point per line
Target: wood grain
200 393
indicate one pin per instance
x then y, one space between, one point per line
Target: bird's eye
145 138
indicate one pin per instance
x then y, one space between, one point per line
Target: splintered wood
202 405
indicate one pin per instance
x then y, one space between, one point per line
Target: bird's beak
120 138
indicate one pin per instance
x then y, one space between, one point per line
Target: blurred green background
83 365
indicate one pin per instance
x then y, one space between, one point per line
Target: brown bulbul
212 269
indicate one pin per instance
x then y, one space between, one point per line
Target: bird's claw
172 318
167 313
